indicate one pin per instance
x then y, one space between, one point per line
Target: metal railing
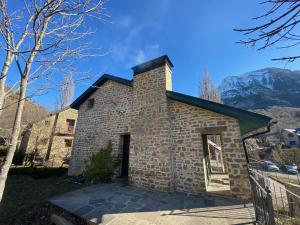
274 196
262 201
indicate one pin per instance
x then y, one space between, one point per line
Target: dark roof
152 64
105 77
248 121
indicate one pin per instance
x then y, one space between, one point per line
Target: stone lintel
211 130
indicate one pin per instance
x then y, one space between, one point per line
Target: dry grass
25 200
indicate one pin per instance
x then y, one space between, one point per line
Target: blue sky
195 34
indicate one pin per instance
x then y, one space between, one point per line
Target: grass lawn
25 200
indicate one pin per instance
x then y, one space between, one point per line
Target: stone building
291 137
31 113
161 134
51 138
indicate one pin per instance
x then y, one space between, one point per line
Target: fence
276 201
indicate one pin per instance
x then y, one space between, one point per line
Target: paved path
218 183
114 204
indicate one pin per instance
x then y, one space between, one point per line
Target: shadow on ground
116 204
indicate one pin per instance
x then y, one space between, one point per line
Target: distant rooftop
294 130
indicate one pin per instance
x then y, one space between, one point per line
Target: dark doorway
125 155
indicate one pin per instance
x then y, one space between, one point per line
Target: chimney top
152 64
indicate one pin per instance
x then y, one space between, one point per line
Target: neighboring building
51 138
160 134
291 137
31 113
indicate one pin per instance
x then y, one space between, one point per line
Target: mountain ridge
262 88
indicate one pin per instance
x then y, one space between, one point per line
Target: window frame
90 103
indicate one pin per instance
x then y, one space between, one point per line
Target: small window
68 143
90 103
292 142
291 135
47 122
70 125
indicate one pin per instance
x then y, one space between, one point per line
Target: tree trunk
15 134
3 76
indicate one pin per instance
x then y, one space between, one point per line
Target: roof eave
243 116
88 92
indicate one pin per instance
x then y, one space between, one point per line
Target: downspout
255 135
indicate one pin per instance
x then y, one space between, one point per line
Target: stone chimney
160 68
150 141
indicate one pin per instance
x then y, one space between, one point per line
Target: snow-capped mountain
262 89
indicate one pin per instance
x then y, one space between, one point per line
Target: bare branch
276 30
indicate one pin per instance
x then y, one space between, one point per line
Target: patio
117 204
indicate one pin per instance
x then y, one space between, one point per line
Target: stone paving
116 204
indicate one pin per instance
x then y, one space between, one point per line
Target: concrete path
114 204
219 183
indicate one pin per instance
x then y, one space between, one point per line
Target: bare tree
207 90
67 90
10 46
56 36
278 27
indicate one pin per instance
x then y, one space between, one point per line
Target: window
292 142
90 103
68 143
70 125
290 135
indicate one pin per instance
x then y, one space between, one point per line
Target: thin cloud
140 57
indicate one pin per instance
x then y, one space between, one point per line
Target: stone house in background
290 137
31 113
160 134
51 138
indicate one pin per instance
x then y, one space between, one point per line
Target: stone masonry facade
166 136
52 135
107 120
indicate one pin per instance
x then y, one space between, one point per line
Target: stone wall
166 149
188 124
150 131
107 120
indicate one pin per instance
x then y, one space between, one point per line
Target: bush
29 159
101 165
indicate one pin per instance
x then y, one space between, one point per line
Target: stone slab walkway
114 204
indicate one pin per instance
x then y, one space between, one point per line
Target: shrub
101 165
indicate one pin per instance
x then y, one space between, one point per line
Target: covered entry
125 140
216 170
